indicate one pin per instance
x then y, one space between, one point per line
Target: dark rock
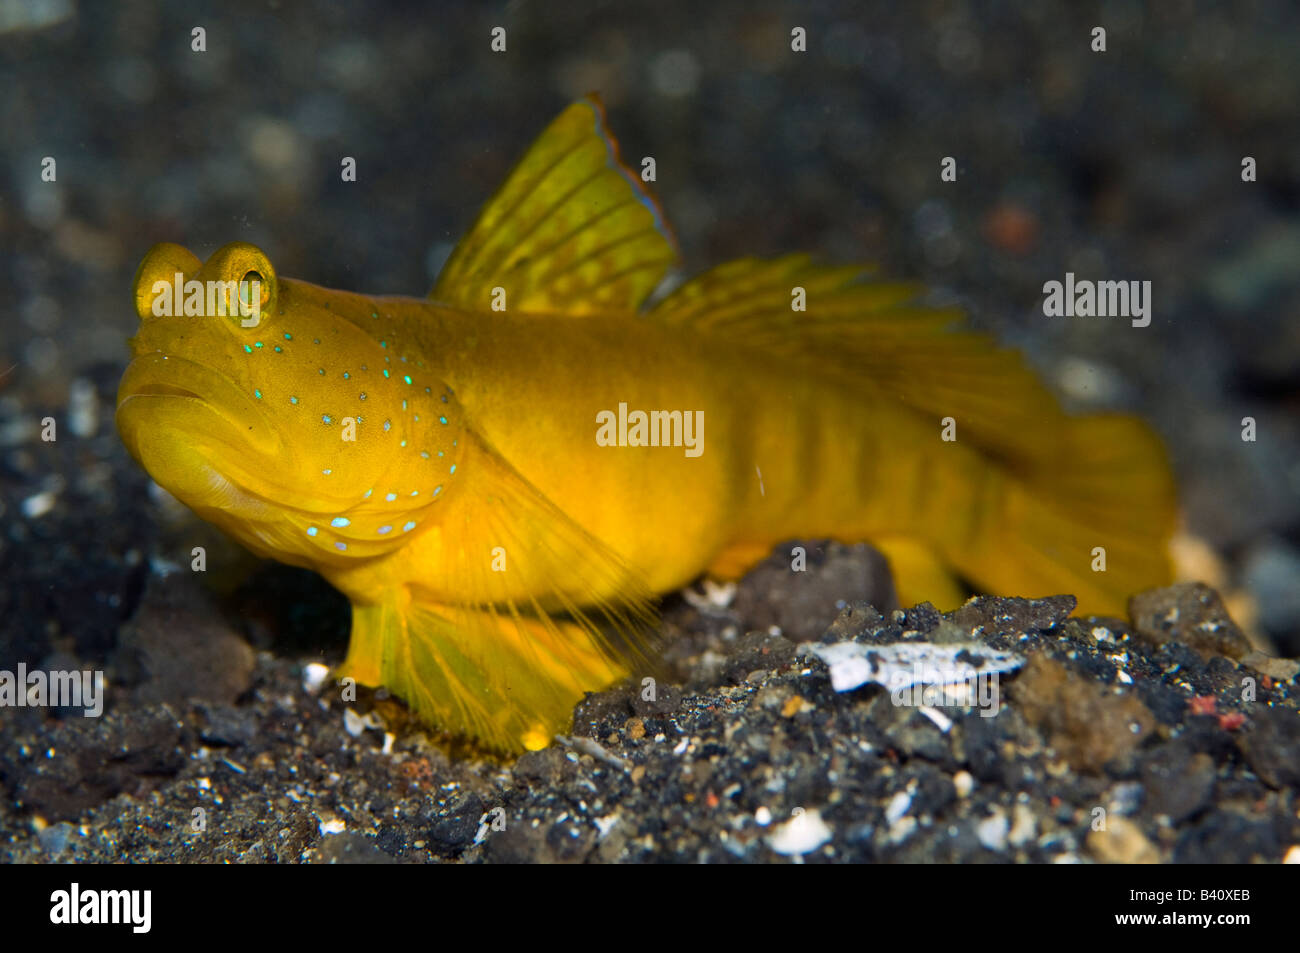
1169 705
758 652
457 823
912 733
1191 613
84 762
350 848
923 618
519 843
597 708
982 741
1225 837
803 602
860 621
540 767
996 616
1177 781
177 648
1271 746
1085 723
657 698
226 725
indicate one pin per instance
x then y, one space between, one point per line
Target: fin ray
572 230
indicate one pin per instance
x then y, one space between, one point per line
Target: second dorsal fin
571 230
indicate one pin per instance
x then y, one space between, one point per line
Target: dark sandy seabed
744 754
1124 166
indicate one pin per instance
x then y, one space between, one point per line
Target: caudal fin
1094 522
1044 504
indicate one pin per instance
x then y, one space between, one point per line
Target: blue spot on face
388 425
390 497
385 372
339 522
293 400
442 420
341 547
407 378
326 419
311 530
408 527
383 530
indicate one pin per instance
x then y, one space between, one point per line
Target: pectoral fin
538 615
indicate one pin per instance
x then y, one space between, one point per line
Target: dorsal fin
571 230
871 332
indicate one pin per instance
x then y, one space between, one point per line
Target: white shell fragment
901 665
802 834
313 677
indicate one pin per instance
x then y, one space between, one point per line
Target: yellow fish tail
977 474
1095 522
920 574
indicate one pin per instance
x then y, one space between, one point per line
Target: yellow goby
502 476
